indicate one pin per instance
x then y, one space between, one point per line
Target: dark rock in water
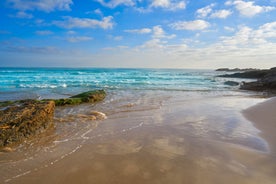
235 69
91 96
256 74
86 97
23 119
266 80
231 83
267 83
254 86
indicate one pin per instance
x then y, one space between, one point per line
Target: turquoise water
20 83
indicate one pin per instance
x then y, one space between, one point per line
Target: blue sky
138 33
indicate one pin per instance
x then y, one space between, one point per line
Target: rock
266 80
67 101
261 85
7 149
235 69
256 74
231 83
86 97
23 119
222 69
98 115
254 86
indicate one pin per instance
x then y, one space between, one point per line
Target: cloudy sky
138 33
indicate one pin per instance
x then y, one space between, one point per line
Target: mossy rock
6 103
86 97
68 101
91 96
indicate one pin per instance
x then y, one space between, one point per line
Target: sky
138 33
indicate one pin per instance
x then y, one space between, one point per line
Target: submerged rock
23 119
86 97
98 115
231 83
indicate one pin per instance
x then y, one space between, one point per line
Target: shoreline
263 118
152 138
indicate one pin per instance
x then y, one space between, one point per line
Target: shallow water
163 126
150 136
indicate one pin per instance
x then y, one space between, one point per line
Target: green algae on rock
25 118
86 97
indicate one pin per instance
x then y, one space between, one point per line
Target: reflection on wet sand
205 142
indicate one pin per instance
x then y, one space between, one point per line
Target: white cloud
115 3
248 9
208 11
43 5
23 15
71 32
205 11
153 44
158 32
168 4
249 37
115 38
190 25
139 31
268 30
98 11
222 14
75 39
230 29
44 32
73 22
35 50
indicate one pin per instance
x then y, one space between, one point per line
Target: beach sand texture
155 138
263 116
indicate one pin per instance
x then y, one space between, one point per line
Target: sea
162 126
37 83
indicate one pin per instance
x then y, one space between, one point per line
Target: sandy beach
263 116
152 137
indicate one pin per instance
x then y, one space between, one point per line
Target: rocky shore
25 118
235 69
265 80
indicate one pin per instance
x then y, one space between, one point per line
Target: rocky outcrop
231 83
23 119
86 97
256 74
235 69
266 80
265 83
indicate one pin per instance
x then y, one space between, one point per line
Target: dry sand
263 116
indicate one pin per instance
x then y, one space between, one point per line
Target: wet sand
156 139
